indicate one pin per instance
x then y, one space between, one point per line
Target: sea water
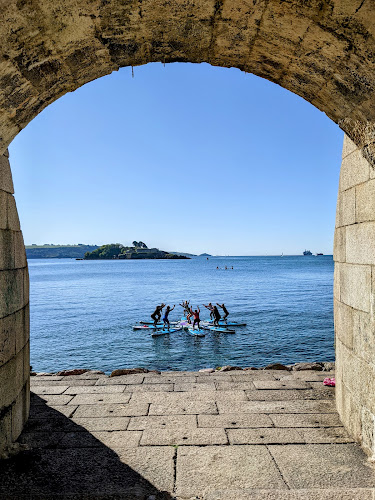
82 312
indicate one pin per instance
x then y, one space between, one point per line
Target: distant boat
319 254
307 252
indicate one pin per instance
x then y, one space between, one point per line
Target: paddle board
218 329
147 327
196 333
223 323
157 333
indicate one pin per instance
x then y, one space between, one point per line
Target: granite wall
354 292
14 316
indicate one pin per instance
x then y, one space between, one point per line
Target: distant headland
139 250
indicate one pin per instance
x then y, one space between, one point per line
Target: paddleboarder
196 317
166 313
226 313
210 307
156 315
217 316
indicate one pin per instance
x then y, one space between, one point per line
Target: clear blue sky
183 157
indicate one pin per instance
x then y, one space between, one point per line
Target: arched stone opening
322 51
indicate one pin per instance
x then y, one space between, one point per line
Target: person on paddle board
196 317
210 307
166 313
185 307
156 315
217 316
226 313
190 314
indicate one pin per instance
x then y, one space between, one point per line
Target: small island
139 250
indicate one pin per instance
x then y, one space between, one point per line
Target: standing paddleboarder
210 307
217 316
165 318
156 315
196 317
226 313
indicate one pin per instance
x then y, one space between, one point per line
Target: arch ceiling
322 50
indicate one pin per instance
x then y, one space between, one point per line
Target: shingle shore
263 434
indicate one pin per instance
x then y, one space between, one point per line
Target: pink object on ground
331 382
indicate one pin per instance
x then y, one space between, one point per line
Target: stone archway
321 50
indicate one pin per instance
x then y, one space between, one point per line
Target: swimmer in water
226 313
165 318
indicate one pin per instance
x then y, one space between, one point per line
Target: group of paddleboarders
189 313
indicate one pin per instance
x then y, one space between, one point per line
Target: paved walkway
265 435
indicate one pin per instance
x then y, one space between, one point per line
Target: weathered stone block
12 297
360 248
368 429
3 209
354 170
19 250
346 208
8 327
6 182
19 413
21 322
7 249
364 336
348 146
5 430
355 286
365 201
13 221
344 323
11 380
339 245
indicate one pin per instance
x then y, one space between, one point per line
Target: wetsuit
156 315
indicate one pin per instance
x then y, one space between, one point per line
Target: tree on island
139 244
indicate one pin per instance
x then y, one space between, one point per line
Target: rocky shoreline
324 366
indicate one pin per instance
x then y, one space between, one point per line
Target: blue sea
82 312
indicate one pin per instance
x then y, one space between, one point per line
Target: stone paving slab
47 382
53 399
188 387
111 410
287 394
103 424
95 389
281 384
163 422
234 420
310 494
179 397
286 435
184 408
98 399
50 389
189 436
304 406
120 439
322 466
306 420
122 380
148 387
201 469
230 385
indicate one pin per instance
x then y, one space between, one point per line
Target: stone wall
14 316
354 292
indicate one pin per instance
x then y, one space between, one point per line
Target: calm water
82 312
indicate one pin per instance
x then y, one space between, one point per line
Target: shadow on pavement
64 460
